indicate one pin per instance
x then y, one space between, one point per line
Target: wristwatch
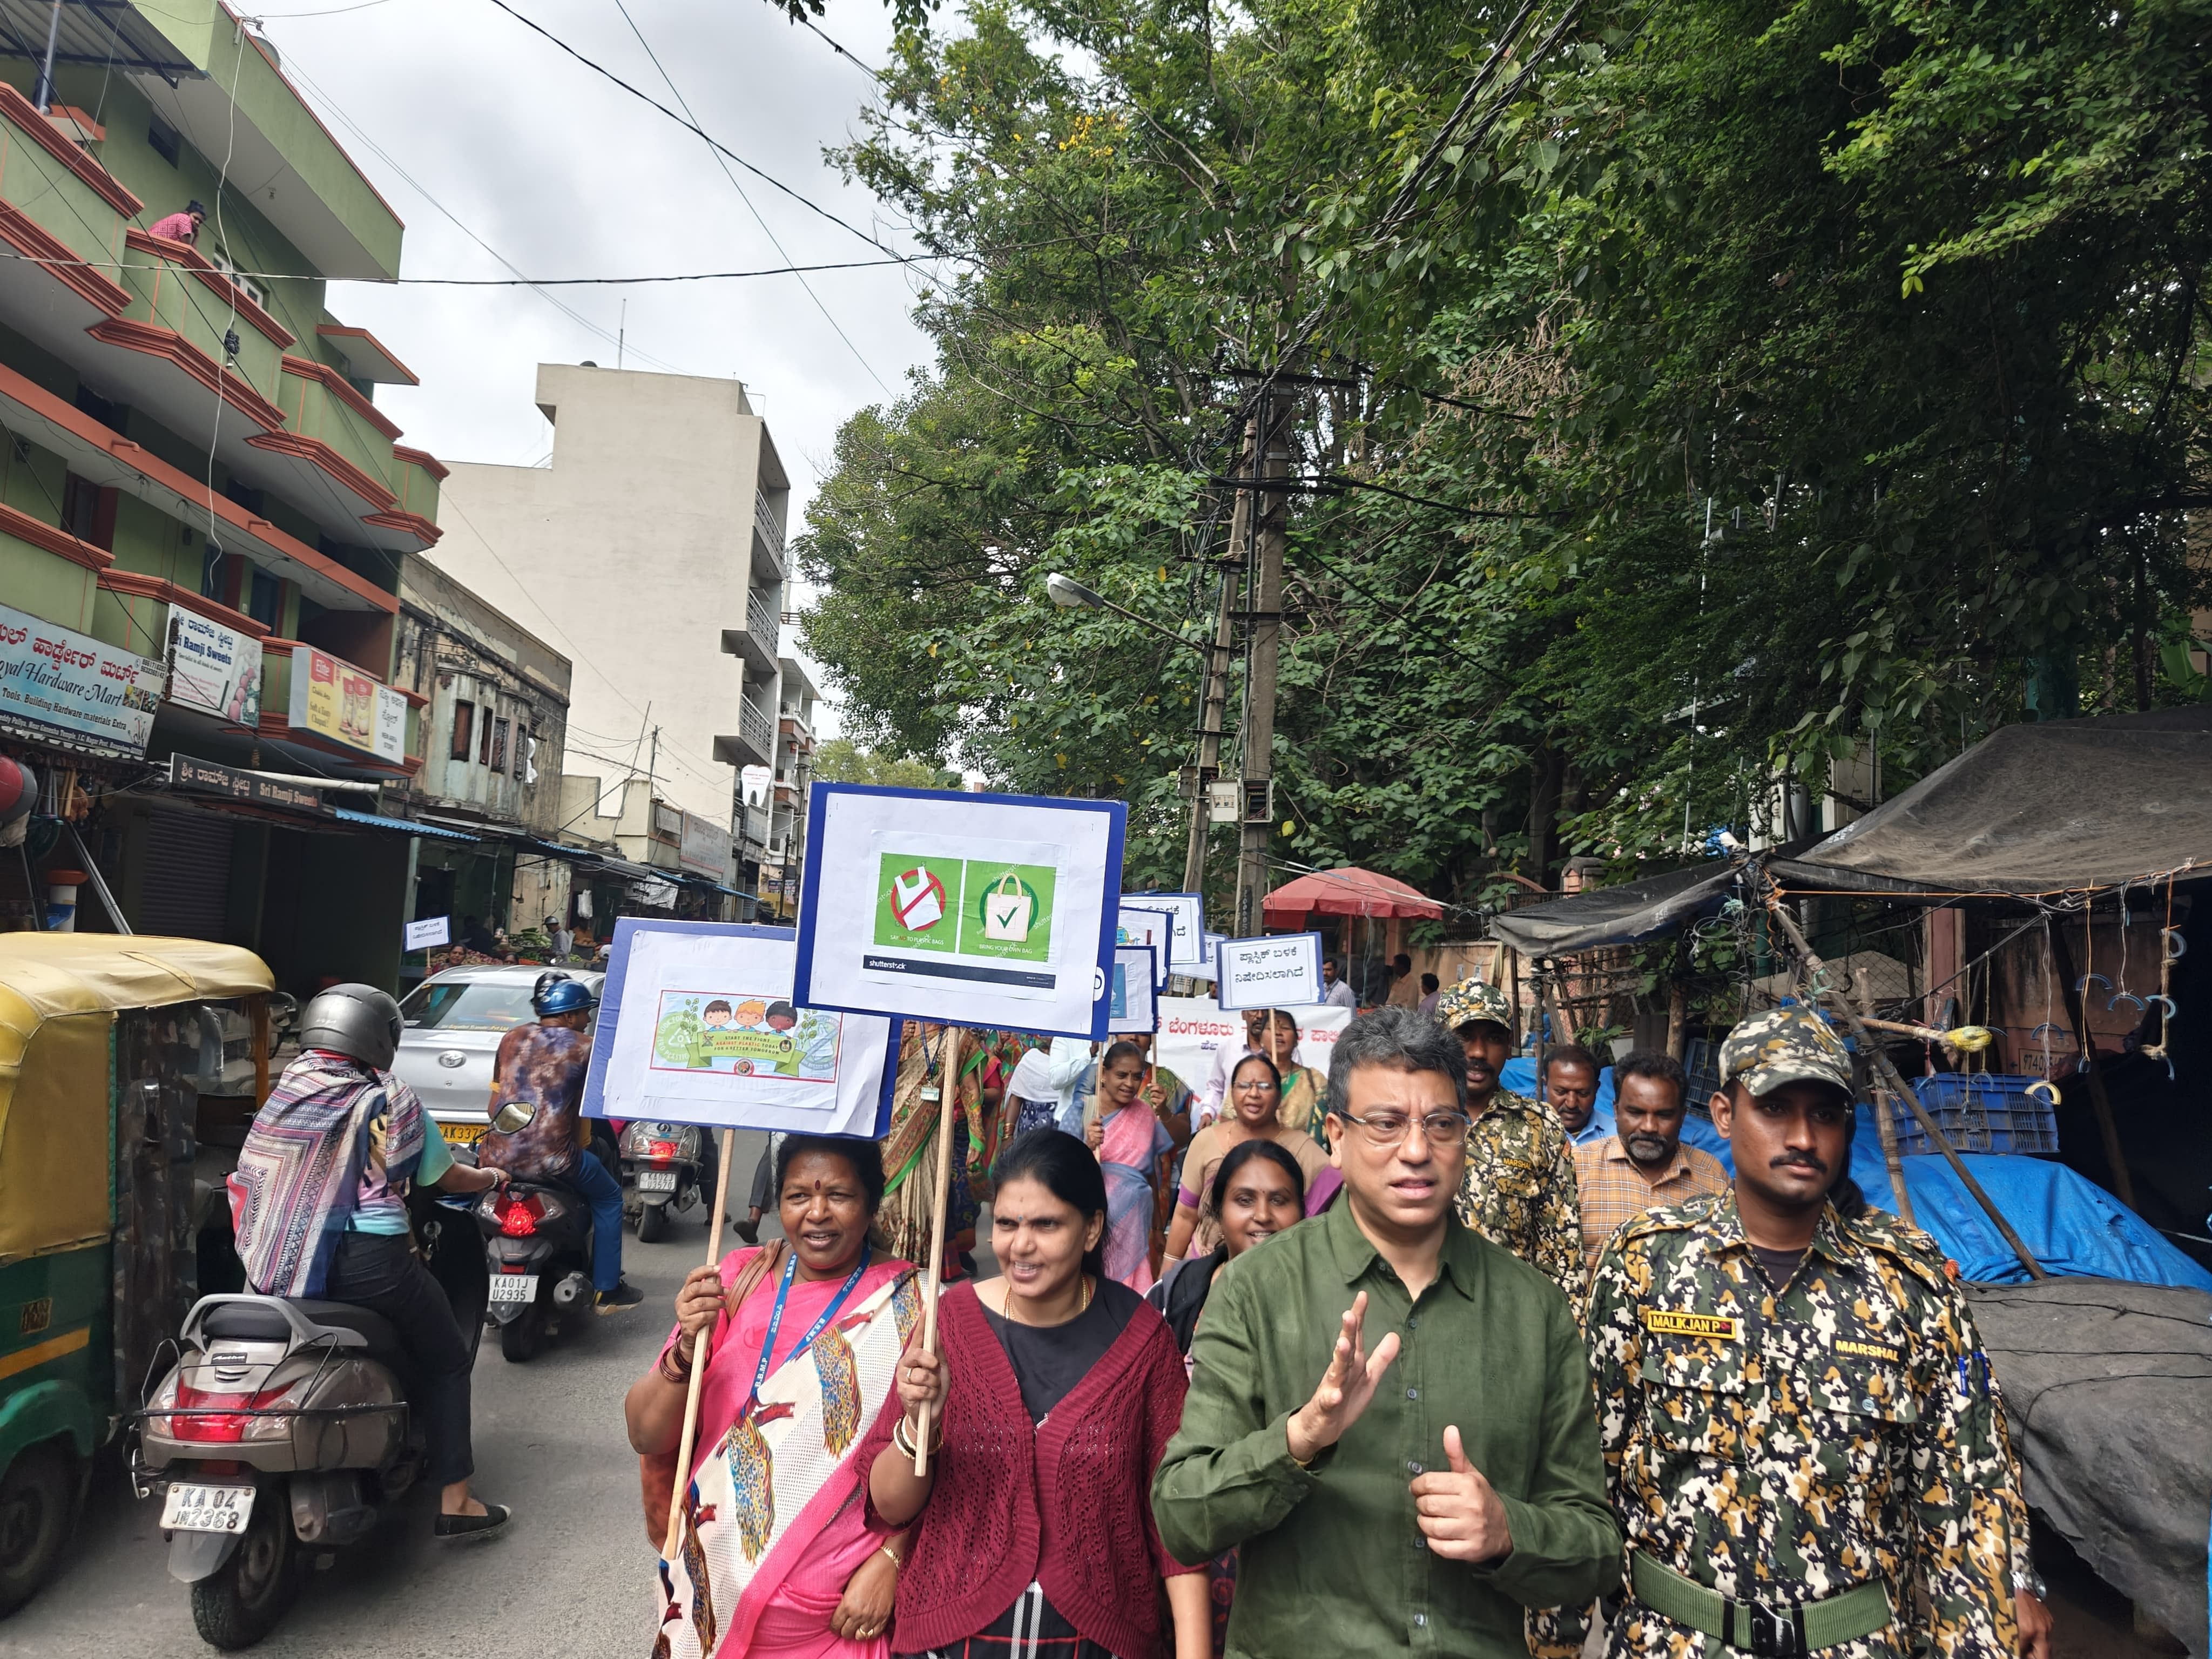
2026 1580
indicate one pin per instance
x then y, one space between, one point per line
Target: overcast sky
565 175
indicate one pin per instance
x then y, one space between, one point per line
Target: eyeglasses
1388 1129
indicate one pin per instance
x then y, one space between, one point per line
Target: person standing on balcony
182 226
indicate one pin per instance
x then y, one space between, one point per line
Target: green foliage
841 761
1739 388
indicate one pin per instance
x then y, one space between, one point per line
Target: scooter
282 1427
661 1169
538 1254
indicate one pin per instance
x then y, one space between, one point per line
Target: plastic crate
1980 1112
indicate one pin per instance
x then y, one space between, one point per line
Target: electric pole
1256 806
1213 706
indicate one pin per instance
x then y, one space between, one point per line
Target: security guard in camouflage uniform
1797 1419
1519 1190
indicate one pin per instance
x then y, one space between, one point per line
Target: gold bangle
895 1563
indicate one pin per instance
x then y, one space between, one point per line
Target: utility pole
1264 620
1213 706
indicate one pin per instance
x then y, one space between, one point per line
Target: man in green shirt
1390 1414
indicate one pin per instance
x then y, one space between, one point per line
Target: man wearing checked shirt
1389 1414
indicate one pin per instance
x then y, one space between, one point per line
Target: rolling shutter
186 893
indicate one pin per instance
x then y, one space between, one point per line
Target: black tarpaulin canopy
2066 804
1617 915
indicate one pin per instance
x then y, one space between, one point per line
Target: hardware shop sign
66 689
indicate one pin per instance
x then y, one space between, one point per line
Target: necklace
1083 1281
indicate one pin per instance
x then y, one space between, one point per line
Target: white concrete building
650 550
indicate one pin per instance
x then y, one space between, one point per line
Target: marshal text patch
1869 1350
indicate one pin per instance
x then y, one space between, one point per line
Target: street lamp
1070 594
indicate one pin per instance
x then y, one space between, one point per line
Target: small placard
1187 940
1143 923
1132 1000
427 935
1272 972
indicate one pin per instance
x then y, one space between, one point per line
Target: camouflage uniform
1781 1447
1519 1190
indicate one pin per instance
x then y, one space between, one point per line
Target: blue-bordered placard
975 909
1133 993
697 1024
1278 970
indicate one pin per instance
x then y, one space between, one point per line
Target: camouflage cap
1784 1045
1473 999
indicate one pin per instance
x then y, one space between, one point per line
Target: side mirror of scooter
513 1116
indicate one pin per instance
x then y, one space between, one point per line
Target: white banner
1268 971
1192 1027
697 1025
993 911
214 668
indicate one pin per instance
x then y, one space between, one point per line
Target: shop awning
1634 910
402 826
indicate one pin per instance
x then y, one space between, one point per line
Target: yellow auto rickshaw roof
59 996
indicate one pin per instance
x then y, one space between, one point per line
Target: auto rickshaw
119 1054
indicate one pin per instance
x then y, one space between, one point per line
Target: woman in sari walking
1132 1144
1304 1105
777 1556
1254 1094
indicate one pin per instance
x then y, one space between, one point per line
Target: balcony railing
760 616
755 724
769 531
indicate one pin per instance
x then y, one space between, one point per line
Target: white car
454 1022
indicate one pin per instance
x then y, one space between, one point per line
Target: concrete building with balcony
497 714
651 548
204 513
789 786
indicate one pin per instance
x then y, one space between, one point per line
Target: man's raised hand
1345 1387
1458 1510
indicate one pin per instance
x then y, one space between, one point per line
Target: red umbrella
1347 892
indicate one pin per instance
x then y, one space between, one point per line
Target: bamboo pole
948 1094
1895 1084
698 1359
1885 1125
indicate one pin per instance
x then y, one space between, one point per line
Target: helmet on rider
357 1020
557 993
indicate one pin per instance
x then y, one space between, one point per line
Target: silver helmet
358 1020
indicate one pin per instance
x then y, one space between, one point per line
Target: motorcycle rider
319 1203
544 1065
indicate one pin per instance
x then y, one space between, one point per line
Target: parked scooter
662 1169
538 1254
283 1427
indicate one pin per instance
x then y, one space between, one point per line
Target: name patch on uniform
1868 1351
1668 1321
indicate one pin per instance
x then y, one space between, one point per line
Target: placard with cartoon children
746 1035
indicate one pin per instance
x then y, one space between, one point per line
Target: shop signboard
206 778
213 669
72 691
705 849
347 704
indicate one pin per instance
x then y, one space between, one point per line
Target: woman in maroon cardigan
1055 1391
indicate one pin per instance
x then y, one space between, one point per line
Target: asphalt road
572 1576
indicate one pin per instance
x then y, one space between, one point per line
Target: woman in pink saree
1130 1141
775 1556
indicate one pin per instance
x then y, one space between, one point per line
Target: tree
841 761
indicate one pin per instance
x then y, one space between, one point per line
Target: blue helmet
557 993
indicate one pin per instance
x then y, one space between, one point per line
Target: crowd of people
1391 1360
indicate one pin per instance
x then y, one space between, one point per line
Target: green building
203 515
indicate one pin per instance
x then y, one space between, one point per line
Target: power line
693 126
507 282
808 23
748 201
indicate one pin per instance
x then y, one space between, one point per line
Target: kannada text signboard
213 669
1270 972
989 910
697 1024
66 689
1186 951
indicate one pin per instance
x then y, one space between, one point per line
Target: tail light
216 1417
519 1216
664 1149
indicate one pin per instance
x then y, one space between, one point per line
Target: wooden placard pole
668 1551
948 1096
